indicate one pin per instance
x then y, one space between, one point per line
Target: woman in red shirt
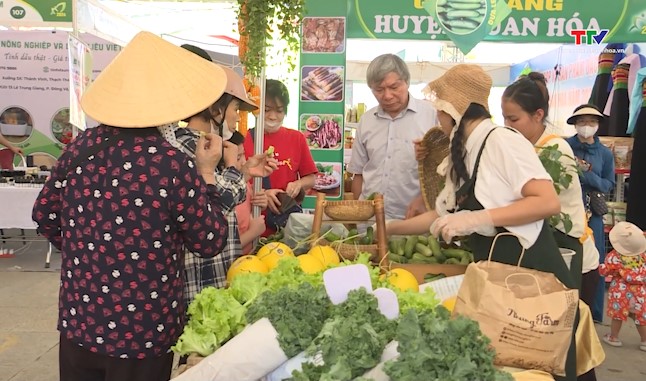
296 169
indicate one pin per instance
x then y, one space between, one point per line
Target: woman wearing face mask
597 163
525 106
296 169
230 182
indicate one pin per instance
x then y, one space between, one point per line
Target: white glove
463 223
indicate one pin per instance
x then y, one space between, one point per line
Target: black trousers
78 364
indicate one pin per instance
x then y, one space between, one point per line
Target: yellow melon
246 264
326 254
273 252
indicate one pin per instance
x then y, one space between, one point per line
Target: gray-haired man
383 156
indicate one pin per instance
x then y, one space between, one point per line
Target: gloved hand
463 223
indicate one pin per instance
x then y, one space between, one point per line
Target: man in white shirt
383 155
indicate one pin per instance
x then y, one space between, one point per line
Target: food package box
622 149
421 270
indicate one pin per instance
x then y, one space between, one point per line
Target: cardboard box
420 270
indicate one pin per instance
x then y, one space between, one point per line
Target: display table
16 204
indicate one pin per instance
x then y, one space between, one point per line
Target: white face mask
272 125
225 130
586 131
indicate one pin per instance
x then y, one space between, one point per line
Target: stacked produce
426 249
346 341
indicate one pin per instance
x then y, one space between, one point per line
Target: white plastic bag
248 356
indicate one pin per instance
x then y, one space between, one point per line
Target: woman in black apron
461 98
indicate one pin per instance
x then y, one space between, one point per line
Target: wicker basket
192 360
437 146
350 210
349 251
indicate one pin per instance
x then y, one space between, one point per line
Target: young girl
626 264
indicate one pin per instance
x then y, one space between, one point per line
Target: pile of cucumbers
353 237
461 16
422 249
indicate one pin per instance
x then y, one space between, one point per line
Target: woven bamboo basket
350 210
350 251
431 183
192 360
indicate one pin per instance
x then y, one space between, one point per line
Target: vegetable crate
424 272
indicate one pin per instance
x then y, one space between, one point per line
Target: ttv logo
588 36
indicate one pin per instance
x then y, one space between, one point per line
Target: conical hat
152 82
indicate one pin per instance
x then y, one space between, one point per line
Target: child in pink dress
626 264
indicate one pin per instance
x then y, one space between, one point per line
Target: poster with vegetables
322 94
322 131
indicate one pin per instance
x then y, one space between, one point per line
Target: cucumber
433 243
399 246
458 13
441 258
462 23
370 236
410 246
466 6
425 250
422 239
465 260
397 258
331 237
452 261
432 277
392 246
455 253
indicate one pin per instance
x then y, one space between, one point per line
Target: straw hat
236 87
460 86
585 110
152 82
627 239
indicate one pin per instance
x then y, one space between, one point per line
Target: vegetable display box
429 272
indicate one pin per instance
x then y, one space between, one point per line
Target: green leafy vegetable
215 317
434 347
297 314
351 342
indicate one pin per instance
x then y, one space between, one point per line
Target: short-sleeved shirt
291 151
508 162
383 153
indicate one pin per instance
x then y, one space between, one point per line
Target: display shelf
621 176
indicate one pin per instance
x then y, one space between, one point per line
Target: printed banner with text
590 22
34 89
36 13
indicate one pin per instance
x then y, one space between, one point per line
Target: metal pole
259 138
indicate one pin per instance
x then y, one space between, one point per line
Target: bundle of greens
297 314
215 317
434 347
351 341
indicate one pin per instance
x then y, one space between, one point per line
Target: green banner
558 21
36 13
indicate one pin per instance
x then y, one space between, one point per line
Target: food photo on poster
328 179
323 34
322 131
322 83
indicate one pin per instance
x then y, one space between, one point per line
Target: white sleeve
519 162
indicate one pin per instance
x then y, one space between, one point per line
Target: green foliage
262 20
550 157
434 347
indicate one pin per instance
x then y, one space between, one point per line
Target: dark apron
544 255
568 242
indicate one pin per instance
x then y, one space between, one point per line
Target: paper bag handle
493 244
538 286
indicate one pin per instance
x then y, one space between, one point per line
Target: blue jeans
596 224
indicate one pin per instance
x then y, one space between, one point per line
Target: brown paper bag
527 314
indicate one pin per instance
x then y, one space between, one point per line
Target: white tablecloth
16 204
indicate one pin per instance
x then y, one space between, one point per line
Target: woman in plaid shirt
221 118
